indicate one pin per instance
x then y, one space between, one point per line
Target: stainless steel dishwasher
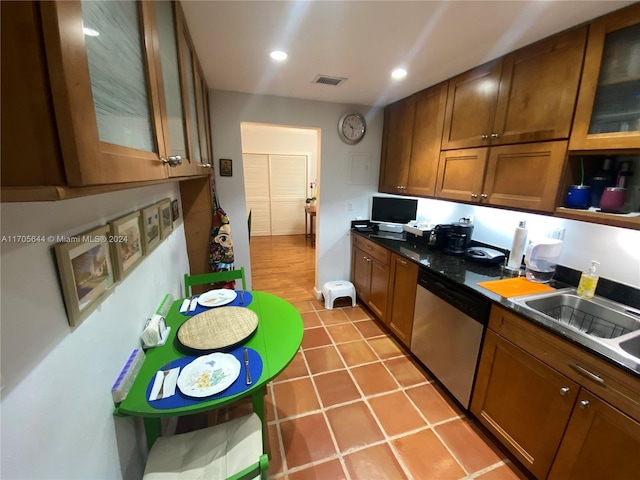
448 326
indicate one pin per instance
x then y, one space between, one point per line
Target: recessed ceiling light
399 73
90 32
279 55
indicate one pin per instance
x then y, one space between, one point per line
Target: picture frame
150 228
86 272
127 243
175 210
166 222
226 167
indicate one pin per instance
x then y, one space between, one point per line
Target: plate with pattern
208 375
218 297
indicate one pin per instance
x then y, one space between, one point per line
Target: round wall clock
352 128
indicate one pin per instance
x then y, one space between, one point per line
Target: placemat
240 301
240 385
514 287
217 329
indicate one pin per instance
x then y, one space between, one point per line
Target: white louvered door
275 191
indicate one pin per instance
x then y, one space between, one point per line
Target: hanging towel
221 245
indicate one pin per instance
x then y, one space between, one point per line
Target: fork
241 297
164 377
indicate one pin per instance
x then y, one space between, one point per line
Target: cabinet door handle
584 403
172 161
586 373
564 390
474 196
494 135
483 195
402 262
206 165
484 137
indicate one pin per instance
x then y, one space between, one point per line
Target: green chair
212 277
232 450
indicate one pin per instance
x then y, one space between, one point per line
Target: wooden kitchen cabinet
528 95
402 297
108 111
525 176
600 442
523 402
370 270
412 138
608 109
559 409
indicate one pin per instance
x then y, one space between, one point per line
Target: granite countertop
469 272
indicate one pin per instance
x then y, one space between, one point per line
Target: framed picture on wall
226 167
166 222
175 210
86 272
150 228
126 243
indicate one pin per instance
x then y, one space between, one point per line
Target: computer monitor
392 212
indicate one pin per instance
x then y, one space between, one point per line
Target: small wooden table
310 214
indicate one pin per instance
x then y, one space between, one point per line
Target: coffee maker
459 237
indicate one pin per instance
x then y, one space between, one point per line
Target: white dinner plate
215 298
208 375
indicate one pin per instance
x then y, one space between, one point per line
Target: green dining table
277 339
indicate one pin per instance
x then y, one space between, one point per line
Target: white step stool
337 289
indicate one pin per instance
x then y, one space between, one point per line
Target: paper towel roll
517 247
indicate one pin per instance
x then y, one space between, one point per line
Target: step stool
337 289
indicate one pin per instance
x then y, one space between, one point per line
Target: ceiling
364 41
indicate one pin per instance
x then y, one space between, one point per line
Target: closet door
256 187
288 192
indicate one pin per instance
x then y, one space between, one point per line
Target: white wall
56 406
230 109
615 248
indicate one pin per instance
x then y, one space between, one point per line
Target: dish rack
586 322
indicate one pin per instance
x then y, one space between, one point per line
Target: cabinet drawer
612 384
375 251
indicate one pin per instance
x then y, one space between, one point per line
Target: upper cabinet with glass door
106 101
608 110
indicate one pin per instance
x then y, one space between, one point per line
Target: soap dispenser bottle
588 282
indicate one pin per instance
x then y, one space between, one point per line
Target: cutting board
514 287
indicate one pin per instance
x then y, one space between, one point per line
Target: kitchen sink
592 317
598 319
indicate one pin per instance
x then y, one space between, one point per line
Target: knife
246 366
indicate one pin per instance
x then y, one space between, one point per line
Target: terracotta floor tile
318 304
356 313
406 372
306 439
331 470
302 307
344 332
315 337
275 459
311 319
374 378
426 457
296 369
374 463
369 328
385 347
472 448
396 414
333 317
335 387
431 403
323 359
504 472
353 426
270 409
356 353
295 397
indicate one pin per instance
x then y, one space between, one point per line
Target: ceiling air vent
327 80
